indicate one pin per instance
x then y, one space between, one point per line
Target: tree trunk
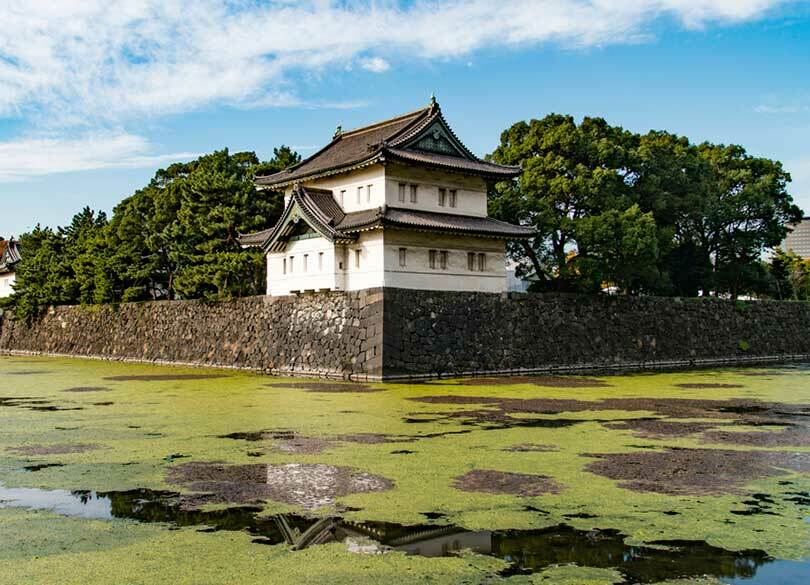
538 270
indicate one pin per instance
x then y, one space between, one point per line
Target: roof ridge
383 123
317 190
337 138
406 137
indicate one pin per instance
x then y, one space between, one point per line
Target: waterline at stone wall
407 334
336 335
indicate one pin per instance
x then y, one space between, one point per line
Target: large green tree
176 237
670 180
706 213
747 210
790 276
63 266
570 171
218 201
618 249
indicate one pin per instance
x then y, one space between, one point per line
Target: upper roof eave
350 152
336 170
459 165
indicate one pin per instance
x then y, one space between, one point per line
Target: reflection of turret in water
527 550
606 549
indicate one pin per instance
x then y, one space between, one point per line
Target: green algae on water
420 438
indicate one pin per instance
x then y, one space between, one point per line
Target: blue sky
93 100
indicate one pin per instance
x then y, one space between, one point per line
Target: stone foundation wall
398 333
429 333
329 334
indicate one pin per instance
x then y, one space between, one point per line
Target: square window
432 258
443 256
453 197
401 194
403 256
414 189
442 197
471 261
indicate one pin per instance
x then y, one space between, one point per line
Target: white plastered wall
338 269
471 192
417 273
7 284
370 271
350 183
379 251
320 270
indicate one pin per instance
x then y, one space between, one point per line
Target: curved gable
319 213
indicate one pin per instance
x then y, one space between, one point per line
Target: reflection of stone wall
333 334
425 333
431 333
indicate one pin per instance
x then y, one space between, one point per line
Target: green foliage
747 210
743 345
648 213
619 248
789 276
174 238
570 172
63 266
283 157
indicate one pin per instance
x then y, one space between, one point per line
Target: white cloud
79 65
781 109
30 157
375 64
74 62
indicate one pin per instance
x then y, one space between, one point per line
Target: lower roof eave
457 167
474 234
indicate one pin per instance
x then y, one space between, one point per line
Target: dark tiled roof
392 138
10 255
361 219
453 162
436 222
254 239
320 206
348 148
322 212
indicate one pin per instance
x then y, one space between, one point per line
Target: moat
130 473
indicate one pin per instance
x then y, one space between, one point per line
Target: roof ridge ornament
433 102
338 132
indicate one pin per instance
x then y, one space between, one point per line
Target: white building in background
514 283
400 203
9 258
798 241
